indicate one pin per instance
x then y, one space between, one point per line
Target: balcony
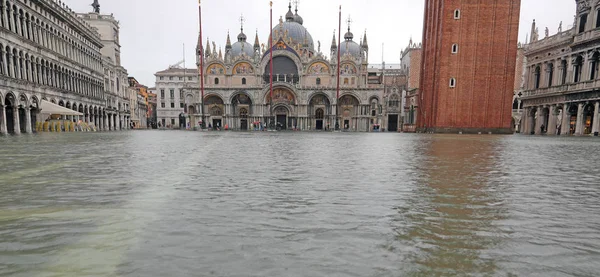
282 78
587 36
562 89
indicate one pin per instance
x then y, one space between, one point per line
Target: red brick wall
415 68
484 66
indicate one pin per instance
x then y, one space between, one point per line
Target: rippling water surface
158 203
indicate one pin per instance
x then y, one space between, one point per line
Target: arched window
457 14
318 81
550 74
345 81
243 81
454 48
537 76
216 81
582 22
452 82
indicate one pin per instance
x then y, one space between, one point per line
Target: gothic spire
207 52
333 42
228 45
256 42
365 44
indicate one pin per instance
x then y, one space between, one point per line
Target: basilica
304 97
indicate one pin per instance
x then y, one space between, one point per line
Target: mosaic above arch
348 69
215 69
282 96
243 68
318 68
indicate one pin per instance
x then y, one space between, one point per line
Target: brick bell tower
468 66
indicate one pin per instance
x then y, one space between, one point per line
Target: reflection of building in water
562 78
304 82
445 220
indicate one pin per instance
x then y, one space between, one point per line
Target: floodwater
175 203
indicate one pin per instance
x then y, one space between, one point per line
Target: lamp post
337 99
201 69
271 117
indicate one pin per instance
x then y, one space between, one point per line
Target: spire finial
349 21
242 20
296 2
96 6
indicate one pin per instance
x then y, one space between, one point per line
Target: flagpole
337 101
201 69
271 123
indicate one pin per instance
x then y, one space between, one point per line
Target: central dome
293 25
296 32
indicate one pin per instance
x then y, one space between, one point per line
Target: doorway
346 124
216 123
281 121
393 123
244 124
319 115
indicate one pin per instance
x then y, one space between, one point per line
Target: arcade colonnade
577 118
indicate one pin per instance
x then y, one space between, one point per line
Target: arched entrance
281 117
242 107
319 116
243 114
319 108
283 100
588 118
349 109
182 121
22 114
9 105
216 107
572 118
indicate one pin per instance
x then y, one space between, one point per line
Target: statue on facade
560 27
319 46
547 32
96 6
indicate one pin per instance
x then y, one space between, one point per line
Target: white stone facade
562 83
47 53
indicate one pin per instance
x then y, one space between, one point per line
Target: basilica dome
348 46
293 26
241 46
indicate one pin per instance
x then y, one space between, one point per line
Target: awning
51 108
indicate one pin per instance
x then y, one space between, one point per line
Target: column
596 122
530 121
579 125
566 124
3 130
552 120
17 124
28 128
539 120
4 64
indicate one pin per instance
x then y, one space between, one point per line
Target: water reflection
448 222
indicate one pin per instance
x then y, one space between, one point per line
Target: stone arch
351 93
10 99
23 100
317 93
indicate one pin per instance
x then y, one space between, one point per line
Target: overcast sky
153 32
